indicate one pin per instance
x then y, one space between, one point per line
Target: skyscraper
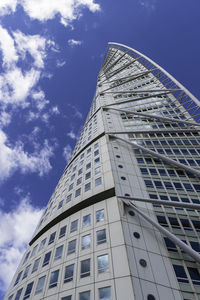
123 221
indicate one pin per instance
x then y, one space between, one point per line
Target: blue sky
50 55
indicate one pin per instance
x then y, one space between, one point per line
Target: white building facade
123 222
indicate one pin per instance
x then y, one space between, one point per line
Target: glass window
46 259
88 166
144 171
86 241
188 187
69 272
62 231
58 253
180 273
18 278
26 257
97 160
74 226
52 238
158 184
87 220
80 171
85 296
168 185
97 170
18 294
79 180
78 192
71 247
42 244
105 293
149 183
100 215
85 268
53 279
40 285
10 297
102 263
96 152
72 177
34 251
67 298
178 185
87 186
87 175
69 198
36 265
98 181
26 271
96 145
60 204
71 186
28 290
88 150
101 236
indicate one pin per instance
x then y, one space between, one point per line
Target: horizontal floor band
72 210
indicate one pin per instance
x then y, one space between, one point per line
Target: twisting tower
123 221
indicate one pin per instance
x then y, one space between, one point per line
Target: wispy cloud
73 43
72 135
149 5
67 152
14 236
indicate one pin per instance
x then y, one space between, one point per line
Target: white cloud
7 47
149 5
73 43
55 110
14 158
35 45
14 237
67 152
5 119
44 10
7 6
40 100
60 64
72 135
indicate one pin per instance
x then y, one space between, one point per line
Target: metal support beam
162 157
164 202
140 91
152 116
155 131
115 62
195 255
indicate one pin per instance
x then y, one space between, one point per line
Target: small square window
79 180
71 187
34 251
17 297
96 152
85 268
88 166
97 160
42 244
98 181
54 279
36 265
100 215
67 298
87 220
74 226
26 271
69 273
80 171
60 204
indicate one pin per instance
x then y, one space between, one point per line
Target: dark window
178 186
26 271
17 297
105 293
180 273
101 236
67 298
194 274
87 186
26 257
168 185
78 192
87 175
149 183
71 247
171 172
144 171
79 180
74 226
58 253
85 296
69 198
53 279
42 244
188 187
46 259
170 245
85 268
52 238
62 231
88 166
60 204
18 278
153 171
69 273
100 215
28 291
158 184
162 172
